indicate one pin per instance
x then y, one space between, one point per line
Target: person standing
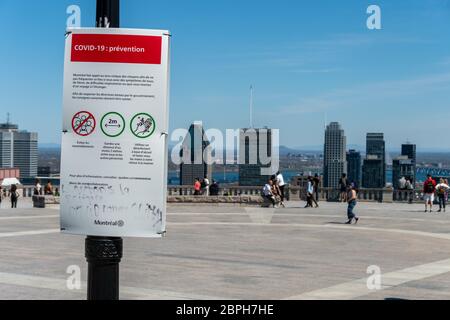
316 181
410 191
1 196
442 190
343 188
214 188
197 187
48 190
205 186
402 183
281 185
446 194
429 188
351 200
14 194
37 188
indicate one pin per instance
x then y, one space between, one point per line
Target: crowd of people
12 192
273 190
202 187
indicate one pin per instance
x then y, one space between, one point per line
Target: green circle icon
143 125
112 124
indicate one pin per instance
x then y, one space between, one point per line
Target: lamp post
103 254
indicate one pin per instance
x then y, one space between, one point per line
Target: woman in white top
441 190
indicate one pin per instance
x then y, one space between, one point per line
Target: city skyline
307 64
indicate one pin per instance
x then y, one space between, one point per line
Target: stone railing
223 191
250 194
330 194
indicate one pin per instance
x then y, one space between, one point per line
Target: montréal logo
119 223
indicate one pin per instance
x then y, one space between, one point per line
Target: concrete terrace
236 252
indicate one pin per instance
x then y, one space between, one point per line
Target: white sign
115 124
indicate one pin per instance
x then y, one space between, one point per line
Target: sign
115 124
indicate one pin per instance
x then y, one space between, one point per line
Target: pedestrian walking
14 194
429 188
343 188
316 181
310 194
1 196
442 191
352 197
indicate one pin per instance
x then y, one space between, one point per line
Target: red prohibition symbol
83 123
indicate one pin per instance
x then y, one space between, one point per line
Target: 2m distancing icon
112 124
83 123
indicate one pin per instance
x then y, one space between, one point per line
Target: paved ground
243 253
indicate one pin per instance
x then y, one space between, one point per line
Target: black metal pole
108 14
103 254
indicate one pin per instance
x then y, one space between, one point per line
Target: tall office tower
372 176
409 150
255 152
354 167
376 149
194 164
402 166
334 162
18 149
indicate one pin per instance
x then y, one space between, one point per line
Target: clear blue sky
305 59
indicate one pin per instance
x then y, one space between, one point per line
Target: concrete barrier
42 201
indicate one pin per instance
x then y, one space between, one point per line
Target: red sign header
116 48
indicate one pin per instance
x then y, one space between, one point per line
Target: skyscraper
194 164
409 150
354 167
18 149
335 163
255 144
372 172
375 156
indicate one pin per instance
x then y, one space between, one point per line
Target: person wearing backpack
429 188
442 190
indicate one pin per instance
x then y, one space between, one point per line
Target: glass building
335 163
